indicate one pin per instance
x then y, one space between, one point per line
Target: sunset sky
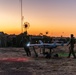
58 17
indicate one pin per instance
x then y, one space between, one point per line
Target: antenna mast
21 18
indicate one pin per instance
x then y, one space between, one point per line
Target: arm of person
68 43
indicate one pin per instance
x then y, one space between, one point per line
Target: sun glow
58 18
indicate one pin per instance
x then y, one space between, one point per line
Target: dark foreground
11 64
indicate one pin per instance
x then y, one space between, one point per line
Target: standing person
26 48
71 48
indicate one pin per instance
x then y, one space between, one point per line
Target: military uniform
71 48
26 48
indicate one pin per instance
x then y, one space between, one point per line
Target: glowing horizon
58 17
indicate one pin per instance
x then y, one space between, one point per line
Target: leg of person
29 52
69 52
25 48
73 53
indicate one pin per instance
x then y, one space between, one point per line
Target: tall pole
21 18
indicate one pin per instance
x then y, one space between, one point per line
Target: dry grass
37 66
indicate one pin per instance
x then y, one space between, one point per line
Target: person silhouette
26 48
71 47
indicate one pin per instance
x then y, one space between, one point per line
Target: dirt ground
11 63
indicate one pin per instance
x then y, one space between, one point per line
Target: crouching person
47 55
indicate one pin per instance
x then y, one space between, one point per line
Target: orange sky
58 17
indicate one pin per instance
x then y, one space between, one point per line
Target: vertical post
21 18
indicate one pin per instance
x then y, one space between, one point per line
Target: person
26 48
71 47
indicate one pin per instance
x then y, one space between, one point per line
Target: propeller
26 25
